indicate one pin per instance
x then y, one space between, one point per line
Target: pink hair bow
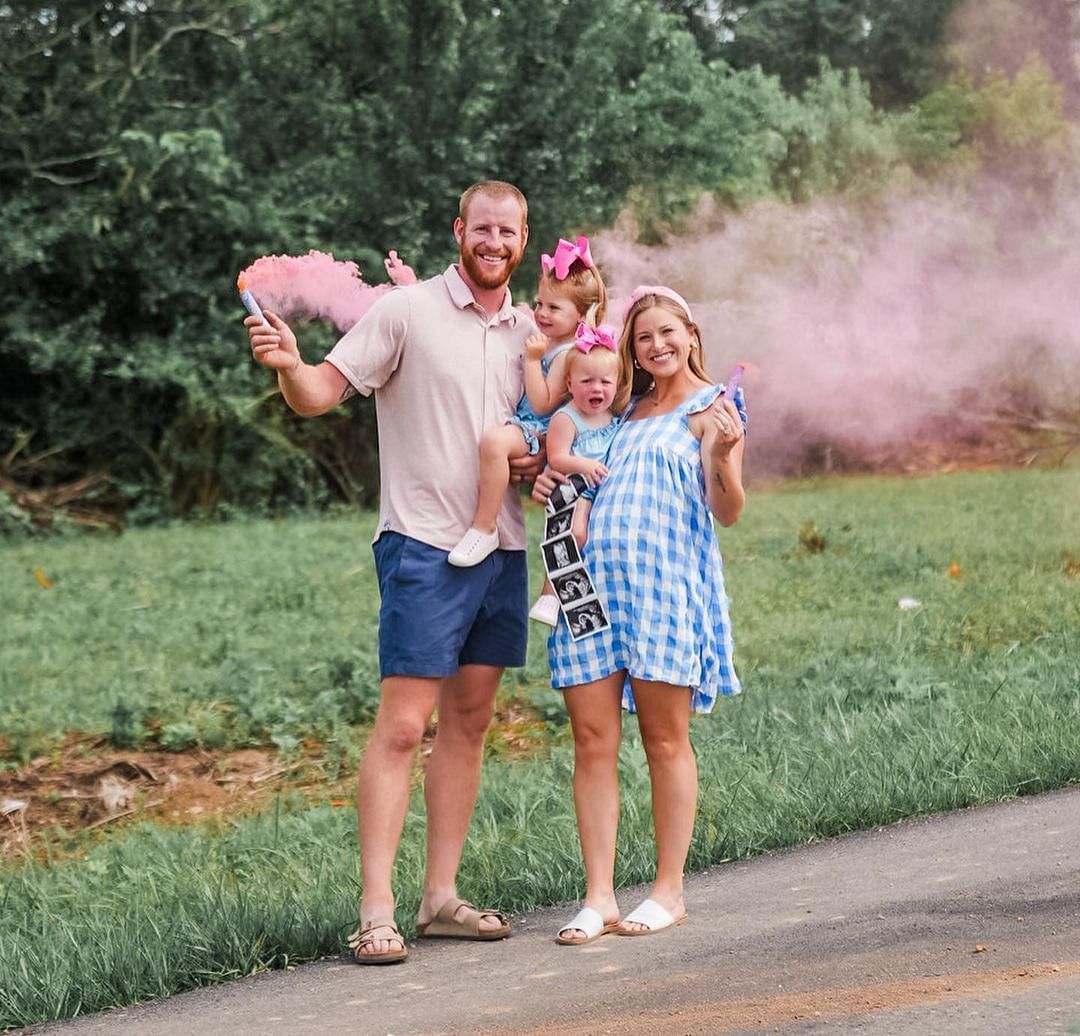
566 253
587 337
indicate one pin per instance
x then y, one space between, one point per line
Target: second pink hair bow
588 337
566 253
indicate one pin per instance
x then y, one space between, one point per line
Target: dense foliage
149 150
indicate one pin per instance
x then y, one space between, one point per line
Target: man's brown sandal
379 929
445 925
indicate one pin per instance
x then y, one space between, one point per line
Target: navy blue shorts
435 618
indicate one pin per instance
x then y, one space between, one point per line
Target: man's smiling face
491 240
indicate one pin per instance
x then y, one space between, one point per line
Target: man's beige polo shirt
443 372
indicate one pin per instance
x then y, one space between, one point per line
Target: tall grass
855 713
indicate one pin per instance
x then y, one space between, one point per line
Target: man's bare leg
382 799
466 703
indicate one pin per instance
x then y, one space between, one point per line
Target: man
445 360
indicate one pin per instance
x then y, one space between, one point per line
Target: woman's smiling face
661 343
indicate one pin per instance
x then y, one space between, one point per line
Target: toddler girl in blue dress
581 431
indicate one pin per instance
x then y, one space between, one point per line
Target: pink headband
566 254
658 289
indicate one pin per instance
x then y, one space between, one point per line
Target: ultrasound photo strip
558 523
577 595
573 585
562 561
565 494
560 553
585 618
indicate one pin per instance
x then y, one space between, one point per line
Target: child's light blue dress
655 562
591 443
532 425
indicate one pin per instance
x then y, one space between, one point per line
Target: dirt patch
87 786
820 1004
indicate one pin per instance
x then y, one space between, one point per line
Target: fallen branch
126 813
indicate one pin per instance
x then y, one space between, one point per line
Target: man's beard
482 275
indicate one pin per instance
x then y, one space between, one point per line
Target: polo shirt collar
462 296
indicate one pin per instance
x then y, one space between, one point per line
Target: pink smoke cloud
922 316
314 286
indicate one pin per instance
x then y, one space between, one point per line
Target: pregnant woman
675 464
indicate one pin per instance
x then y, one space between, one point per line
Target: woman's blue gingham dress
655 562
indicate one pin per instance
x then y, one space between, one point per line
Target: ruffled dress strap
708 394
571 411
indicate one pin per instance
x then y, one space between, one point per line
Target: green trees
117 199
897 47
150 150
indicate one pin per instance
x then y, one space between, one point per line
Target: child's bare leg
498 446
579 526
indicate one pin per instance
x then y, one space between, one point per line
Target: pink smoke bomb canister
733 380
249 301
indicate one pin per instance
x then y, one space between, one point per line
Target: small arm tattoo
719 480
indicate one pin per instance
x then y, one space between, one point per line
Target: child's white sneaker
473 547
546 609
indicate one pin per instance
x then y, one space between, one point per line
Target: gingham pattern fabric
655 562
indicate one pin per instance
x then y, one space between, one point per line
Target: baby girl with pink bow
569 355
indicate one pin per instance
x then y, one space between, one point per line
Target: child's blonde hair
633 381
575 356
584 287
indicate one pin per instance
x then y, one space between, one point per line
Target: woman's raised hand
724 428
273 346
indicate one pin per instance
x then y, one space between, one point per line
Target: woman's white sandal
653 916
588 921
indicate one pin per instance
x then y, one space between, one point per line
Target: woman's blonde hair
633 381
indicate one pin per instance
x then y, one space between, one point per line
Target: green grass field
855 713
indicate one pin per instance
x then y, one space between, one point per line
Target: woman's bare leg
596 717
664 719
